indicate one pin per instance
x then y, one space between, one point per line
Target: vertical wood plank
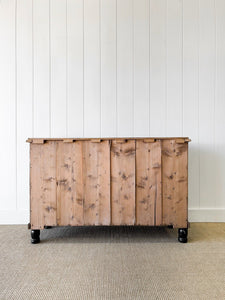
190 94
206 102
148 183
158 68
175 183
24 99
219 195
96 180
43 185
108 68
8 105
92 115
58 35
123 183
41 68
75 67
125 68
70 194
141 67
174 69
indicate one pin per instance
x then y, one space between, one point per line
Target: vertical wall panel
157 67
220 105
190 94
108 68
113 68
206 102
75 68
8 104
58 50
125 68
41 63
92 113
174 68
24 99
141 67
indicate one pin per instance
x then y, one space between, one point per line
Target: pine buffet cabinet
109 181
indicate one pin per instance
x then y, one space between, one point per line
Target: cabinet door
96 182
70 190
83 176
123 182
42 185
148 183
175 183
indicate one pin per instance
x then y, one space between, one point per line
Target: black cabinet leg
47 227
35 236
182 235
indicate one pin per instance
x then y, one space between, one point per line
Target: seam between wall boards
16 119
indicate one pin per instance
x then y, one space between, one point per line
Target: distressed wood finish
148 183
123 182
43 185
175 183
70 192
83 185
96 181
120 181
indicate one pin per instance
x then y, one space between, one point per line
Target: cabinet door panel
148 183
83 192
123 182
43 185
96 181
70 192
175 183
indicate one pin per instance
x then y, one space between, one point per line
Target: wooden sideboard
109 181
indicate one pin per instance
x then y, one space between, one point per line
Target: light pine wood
118 140
123 183
175 183
148 183
43 185
70 194
96 181
109 182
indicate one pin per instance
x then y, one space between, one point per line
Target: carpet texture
113 263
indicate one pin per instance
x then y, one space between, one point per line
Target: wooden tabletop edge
94 139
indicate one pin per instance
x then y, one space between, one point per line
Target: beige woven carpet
113 263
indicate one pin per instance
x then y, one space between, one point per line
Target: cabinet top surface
36 140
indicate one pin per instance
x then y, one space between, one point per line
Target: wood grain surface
123 182
70 190
43 185
109 182
148 183
175 183
96 182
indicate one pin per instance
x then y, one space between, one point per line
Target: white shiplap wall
74 68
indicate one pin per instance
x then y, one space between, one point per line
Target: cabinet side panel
148 183
96 180
69 184
175 183
43 185
123 183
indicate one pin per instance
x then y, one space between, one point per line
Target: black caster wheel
182 235
47 227
35 236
